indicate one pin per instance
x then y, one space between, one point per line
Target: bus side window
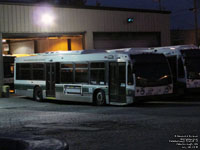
28 71
180 68
23 71
130 75
66 72
38 71
97 73
81 73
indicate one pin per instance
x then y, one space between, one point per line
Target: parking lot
151 125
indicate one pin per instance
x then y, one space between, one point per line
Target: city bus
98 77
184 61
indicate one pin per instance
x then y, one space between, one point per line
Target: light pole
1 66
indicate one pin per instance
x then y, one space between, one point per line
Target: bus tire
37 96
99 98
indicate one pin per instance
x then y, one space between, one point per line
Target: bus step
50 98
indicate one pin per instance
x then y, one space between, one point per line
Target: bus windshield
192 66
8 62
152 71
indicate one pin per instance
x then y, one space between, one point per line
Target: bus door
50 79
117 82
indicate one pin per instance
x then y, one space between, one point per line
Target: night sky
181 16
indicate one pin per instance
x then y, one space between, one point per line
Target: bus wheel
38 94
100 98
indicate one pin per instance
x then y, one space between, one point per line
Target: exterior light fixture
44 16
130 20
47 19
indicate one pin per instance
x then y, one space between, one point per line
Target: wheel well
36 86
95 92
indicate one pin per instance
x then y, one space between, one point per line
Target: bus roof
131 50
73 56
173 50
85 55
78 52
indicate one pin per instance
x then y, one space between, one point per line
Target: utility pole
160 7
1 66
196 22
159 4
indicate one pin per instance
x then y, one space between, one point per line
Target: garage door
112 40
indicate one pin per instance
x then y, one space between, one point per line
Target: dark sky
181 17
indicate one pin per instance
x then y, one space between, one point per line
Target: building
32 28
184 37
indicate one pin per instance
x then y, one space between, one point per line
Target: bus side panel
78 93
26 88
27 93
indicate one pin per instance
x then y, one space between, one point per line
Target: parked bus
155 72
184 62
8 65
87 76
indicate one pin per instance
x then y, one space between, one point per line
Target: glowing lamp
47 19
44 16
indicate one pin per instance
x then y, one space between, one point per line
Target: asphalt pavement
153 125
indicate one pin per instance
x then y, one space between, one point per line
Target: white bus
184 62
88 76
